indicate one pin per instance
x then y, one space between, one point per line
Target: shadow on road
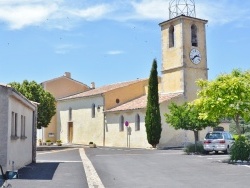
38 171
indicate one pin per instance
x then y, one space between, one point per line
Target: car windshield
214 136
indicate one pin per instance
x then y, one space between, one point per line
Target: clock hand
195 57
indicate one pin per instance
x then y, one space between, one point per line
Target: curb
54 147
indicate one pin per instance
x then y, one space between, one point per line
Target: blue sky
109 41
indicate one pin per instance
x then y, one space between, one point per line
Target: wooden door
70 132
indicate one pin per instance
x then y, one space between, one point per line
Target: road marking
130 154
121 149
92 177
57 161
245 166
56 151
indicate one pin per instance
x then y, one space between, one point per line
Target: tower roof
182 17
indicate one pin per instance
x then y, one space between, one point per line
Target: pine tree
153 117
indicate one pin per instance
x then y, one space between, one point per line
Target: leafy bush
247 135
240 149
235 136
190 148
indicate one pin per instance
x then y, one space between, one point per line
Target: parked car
218 141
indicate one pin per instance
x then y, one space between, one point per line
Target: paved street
56 168
166 168
135 168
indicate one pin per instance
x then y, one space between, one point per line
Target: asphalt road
57 169
131 168
122 168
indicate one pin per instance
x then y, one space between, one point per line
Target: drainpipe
34 132
104 119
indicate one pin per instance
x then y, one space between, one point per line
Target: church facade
59 87
114 115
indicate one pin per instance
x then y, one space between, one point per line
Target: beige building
17 129
183 62
59 87
114 115
81 117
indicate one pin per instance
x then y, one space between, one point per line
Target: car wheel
216 152
227 150
206 152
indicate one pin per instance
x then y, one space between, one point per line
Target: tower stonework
184 57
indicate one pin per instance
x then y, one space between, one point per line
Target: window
14 125
93 111
23 126
121 123
225 136
214 135
171 36
137 122
70 114
194 39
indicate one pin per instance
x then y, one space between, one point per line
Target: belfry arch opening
171 36
194 38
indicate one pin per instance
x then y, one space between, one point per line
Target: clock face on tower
195 56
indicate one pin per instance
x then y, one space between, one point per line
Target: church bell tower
184 57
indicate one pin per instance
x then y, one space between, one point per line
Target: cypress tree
153 117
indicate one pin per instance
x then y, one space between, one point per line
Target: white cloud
115 52
221 12
92 13
151 9
19 16
65 48
216 12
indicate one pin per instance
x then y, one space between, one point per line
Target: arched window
93 111
171 36
70 114
137 122
194 39
121 123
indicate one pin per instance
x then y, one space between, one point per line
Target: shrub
235 136
91 142
190 148
247 135
48 140
240 149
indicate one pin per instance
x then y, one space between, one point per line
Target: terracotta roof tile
102 89
141 102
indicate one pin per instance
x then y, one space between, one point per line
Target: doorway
70 132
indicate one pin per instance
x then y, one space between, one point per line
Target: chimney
92 85
67 74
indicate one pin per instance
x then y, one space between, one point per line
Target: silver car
218 141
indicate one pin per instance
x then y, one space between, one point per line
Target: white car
218 141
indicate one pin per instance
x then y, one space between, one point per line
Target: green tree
153 117
186 116
228 96
35 92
